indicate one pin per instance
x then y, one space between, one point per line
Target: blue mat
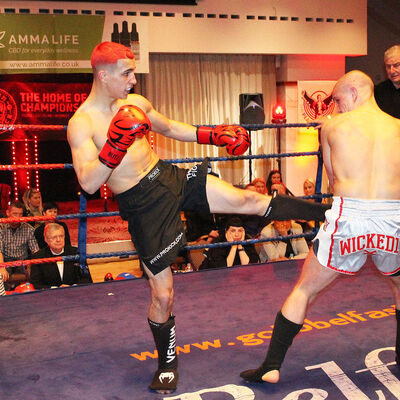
93 342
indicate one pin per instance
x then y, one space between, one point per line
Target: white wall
238 26
293 68
306 50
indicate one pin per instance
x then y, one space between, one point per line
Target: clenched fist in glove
234 137
128 123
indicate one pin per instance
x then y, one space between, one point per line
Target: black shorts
152 209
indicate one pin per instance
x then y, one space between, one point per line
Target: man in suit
60 273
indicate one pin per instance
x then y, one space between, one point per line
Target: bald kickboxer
108 144
361 150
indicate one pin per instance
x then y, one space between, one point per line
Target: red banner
40 103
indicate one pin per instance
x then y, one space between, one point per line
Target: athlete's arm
165 126
90 171
235 138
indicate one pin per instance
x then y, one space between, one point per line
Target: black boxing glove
234 137
128 123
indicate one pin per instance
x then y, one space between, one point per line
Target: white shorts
354 229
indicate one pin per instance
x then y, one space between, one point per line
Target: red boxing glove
234 137
128 123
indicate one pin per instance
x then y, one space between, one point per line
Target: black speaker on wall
251 108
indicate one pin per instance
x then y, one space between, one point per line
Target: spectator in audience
309 187
259 184
387 93
60 273
50 210
285 249
231 255
17 240
32 199
33 206
274 177
274 182
309 190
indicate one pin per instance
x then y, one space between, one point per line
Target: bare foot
271 376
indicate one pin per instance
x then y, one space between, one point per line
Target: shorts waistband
363 207
147 180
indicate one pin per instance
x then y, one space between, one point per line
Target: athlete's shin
165 339
282 337
165 379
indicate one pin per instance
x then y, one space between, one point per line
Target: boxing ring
92 341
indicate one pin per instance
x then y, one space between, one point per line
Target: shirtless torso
361 149
361 153
139 159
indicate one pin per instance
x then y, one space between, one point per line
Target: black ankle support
282 208
165 339
282 337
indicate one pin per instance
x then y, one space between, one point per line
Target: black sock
282 208
165 339
282 337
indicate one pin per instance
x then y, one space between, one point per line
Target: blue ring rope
194 247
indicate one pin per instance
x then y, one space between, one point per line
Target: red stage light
279 114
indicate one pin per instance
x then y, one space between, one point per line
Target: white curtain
204 89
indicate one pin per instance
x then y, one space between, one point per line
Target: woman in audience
32 203
259 184
309 187
274 177
309 190
231 255
33 206
274 182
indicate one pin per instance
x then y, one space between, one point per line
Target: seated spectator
17 240
274 177
309 190
259 184
274 182
309 187
33 205
286 249
50 210
231 255
56 274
